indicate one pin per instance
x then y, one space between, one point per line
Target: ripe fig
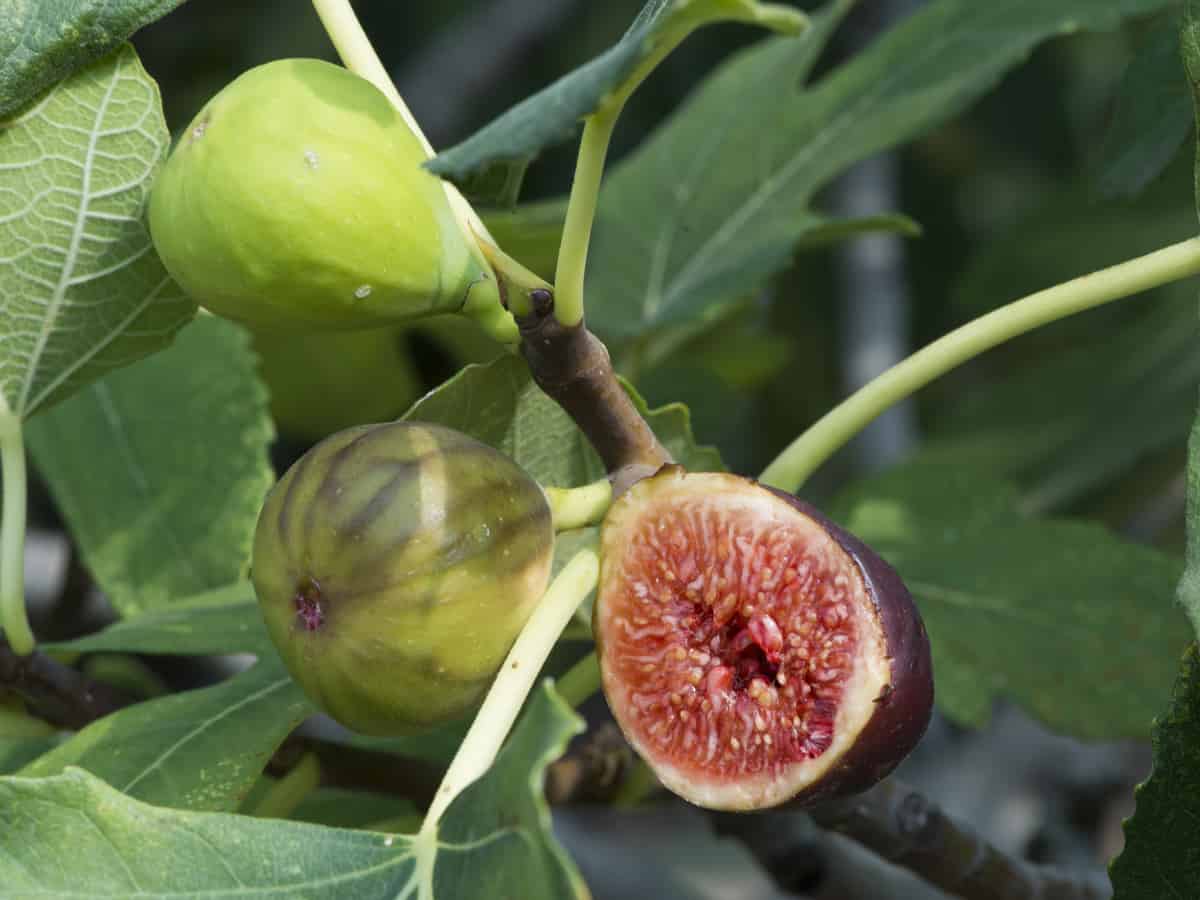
752 651
395 565
296 199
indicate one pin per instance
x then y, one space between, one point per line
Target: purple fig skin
902 713
665 547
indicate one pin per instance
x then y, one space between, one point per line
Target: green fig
296 199
395 565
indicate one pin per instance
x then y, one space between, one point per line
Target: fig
752 651
296 199
394 565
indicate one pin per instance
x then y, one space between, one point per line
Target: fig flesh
296 199
394 565
753 652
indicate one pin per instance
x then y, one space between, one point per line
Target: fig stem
572 367
581 506
828 434
580 681
513 683
281 800
14 621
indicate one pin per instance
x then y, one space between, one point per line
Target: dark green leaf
700 215
1189 39
1077 626
200 749
1153 113
160 469
82 291
1161 858
553 114
43 41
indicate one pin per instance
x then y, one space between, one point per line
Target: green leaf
201 749
16 752
701 214
44 41
499 404
1161 858
1076 419
498 826
1189 39
501 824
1152 115
226 620
160 469
1076 625
553 114
81 288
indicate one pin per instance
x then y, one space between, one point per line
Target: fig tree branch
807 452
902 826
55 692
572 366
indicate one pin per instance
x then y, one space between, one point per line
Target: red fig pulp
753 652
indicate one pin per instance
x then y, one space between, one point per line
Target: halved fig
752 651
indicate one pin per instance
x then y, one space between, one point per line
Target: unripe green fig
296 199
394 565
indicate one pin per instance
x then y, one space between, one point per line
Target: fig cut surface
753 652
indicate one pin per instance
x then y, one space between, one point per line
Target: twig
54 692
905 828
573 367
592 770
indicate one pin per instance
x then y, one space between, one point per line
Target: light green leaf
201 749
1076 625
499 404
81 288
501 824
43 41
1161 858
1152 116
160 469
73 834
553 114
699 215
226 620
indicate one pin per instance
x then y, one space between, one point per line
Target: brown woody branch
573 367
902 826
55 692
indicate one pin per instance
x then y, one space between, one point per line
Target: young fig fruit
395 565
296 199
752 651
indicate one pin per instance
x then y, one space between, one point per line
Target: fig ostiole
395 564
296 199
753 652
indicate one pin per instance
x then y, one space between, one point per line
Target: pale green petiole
14 621
597 133
829 433
581 506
